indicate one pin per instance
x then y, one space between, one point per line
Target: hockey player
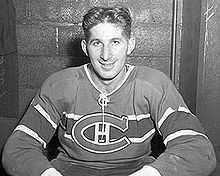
106 113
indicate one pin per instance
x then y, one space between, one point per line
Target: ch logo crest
101 142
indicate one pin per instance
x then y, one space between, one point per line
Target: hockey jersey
113 130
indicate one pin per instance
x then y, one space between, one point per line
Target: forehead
106 31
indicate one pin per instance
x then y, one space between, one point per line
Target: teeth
107 64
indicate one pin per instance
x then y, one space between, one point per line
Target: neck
107 86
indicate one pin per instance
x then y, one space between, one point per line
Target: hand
51 172
146 171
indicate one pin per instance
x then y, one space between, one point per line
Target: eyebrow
90 41
96 39
116 38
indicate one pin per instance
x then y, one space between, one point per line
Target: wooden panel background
208 90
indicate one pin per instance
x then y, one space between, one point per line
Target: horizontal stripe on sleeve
31 133
180 121
170 111
34 120
182 133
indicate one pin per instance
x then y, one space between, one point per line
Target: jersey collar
130 68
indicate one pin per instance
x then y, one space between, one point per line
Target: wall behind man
8 69
208 90
49 33
48 37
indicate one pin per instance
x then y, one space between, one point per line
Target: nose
106 53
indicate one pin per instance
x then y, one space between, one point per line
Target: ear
84 47
131 44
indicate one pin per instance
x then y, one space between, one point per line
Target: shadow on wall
40 68
74 50
2 171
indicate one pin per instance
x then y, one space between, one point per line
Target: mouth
107 65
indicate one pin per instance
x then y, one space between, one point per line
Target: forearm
193 156
23 156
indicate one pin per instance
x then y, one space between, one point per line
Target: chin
107 76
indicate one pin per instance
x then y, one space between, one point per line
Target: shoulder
151 77
65 76
63 83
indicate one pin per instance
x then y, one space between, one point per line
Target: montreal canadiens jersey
105 130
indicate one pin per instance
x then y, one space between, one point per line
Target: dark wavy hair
115 15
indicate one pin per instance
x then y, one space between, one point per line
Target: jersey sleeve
43 114
188 149
23 156
23 153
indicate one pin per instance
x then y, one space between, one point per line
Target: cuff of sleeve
37 167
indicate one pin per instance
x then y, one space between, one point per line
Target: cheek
122 50
93 54
121 54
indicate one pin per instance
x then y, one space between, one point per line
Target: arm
188 149
23 155
186 154
23 152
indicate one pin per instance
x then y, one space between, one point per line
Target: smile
107 65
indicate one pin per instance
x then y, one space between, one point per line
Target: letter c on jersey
101 142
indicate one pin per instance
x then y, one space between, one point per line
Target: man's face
107 49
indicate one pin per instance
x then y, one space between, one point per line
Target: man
106 114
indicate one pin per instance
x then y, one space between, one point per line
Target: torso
128 127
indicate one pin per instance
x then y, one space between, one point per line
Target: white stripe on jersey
73 116
184 109
68 136
142 139
31 133
138 117
133 140
130 117
46 115
182 133
165 115
170 111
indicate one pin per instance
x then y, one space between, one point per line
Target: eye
96 43
115 42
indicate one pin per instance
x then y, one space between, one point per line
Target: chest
124 120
